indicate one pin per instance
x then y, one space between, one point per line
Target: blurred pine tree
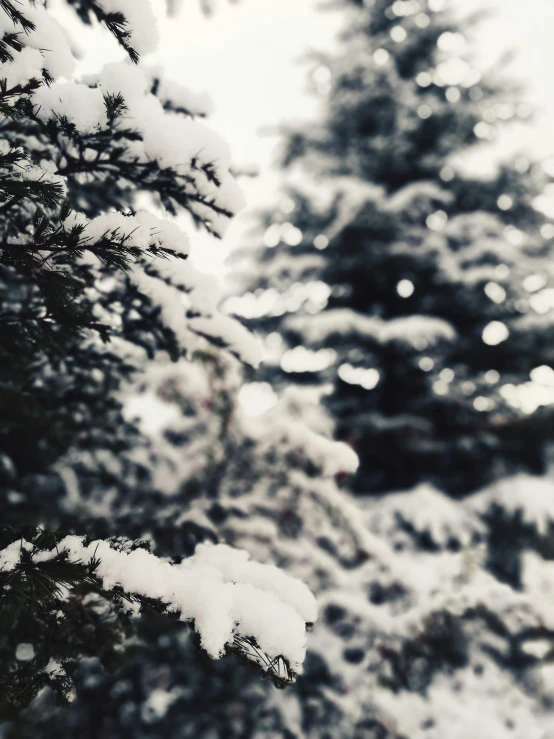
419 289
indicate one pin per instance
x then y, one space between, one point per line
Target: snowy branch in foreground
234 604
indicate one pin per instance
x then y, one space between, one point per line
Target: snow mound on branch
187 298
141 230
11 555
81 105
141 22
201 306
173 140
538 581
331 457
218 589
176 142
157 704
426 511
411 330
532 497
176 95
48 38
478 227
122 78
235 566
337 321
419 195
164 232
45 173
50 41
414 329
26 65
233 334
299 423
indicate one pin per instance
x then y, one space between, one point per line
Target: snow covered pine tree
267 482
399 276
422 294
91 287
420 635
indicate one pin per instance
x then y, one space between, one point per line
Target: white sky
246 57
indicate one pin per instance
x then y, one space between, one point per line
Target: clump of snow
411 330
49 38
336 321
188 301
46 46
234 335
163 232
529 495
45 173
332 457
174 141
235 566
177 96
123 78
81 105
26 65
427 511
219 590
141 22
11 555
54 669
187 298
421 196
157 704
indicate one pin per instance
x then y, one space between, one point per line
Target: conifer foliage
435 618
415 286
415 293
93 285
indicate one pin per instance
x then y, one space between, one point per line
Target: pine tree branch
115 22
16 16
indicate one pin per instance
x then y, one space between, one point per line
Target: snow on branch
425 511
132 22
287 425
409 330
530 496
164 152
101 144
233 603
123 123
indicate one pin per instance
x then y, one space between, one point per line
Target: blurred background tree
421 291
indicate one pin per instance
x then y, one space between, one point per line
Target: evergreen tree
432 622
420 291
420 631
92 288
